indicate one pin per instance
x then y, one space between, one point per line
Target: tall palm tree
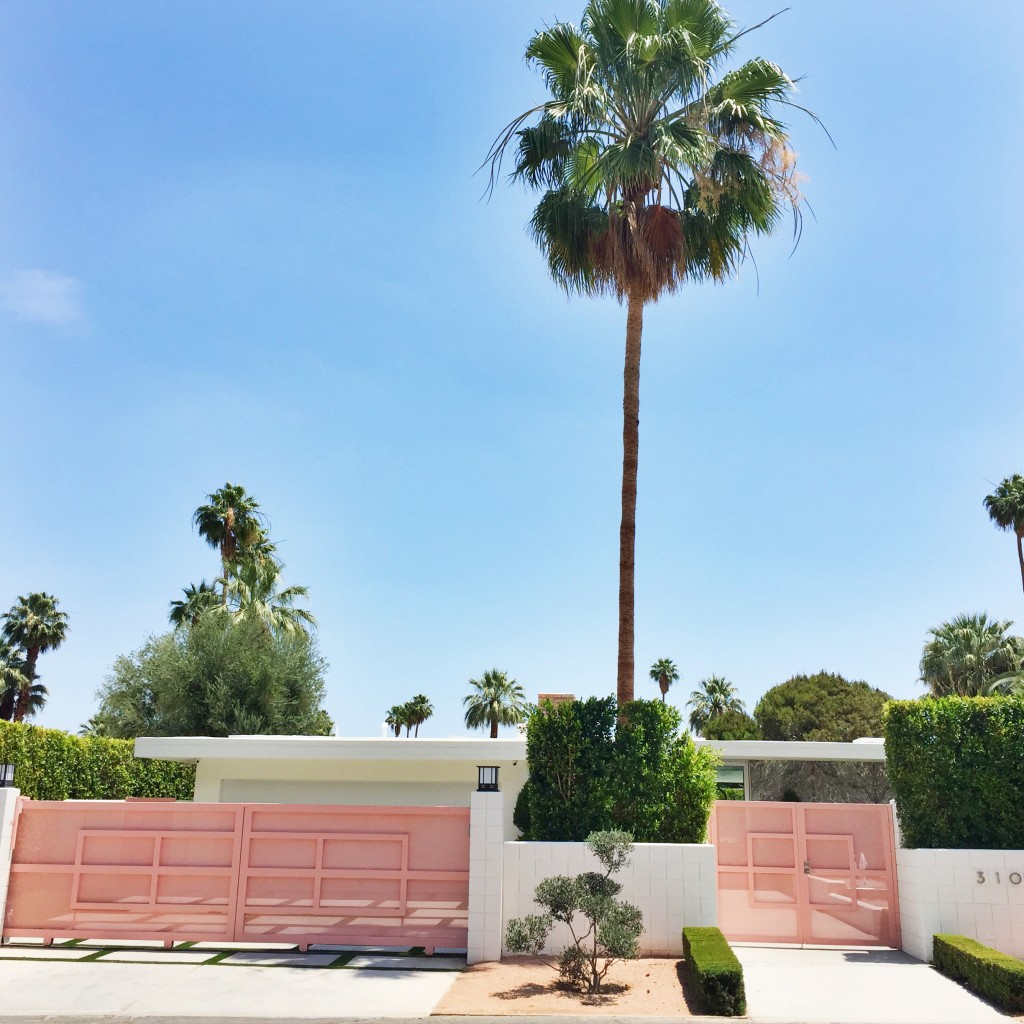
970 653
664 673
1006 510
197 601
495 700
714 696
36 625
420 710
656 164
253 594
232 523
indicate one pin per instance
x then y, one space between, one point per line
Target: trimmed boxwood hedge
988 973
714 975
53 765
956 765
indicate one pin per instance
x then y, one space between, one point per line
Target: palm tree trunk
627 527
21 706
1020 558
494 727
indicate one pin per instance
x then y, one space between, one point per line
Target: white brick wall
941 891
672 885
486 839
8 803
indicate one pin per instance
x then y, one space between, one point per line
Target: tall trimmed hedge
53 765
956 765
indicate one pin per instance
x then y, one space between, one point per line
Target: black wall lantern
6 775
487 779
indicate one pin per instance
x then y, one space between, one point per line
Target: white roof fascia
796 750
332 748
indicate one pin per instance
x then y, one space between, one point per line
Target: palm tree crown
655 163
1006 509
714 696
232 523
495 700
664 673
969 654
36 625
253 594
197 601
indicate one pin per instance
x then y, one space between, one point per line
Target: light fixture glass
487 779
6 775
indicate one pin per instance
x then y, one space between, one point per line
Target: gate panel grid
816 874
240 872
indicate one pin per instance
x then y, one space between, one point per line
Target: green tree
197 601
1006 509
254 594
731 725
420 710
217 678
231 522
824 706
656 162
494 700
969 655
664 673
713 696
36 625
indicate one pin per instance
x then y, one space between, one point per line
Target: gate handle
807 867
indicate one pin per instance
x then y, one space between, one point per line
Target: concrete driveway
143 991
853 986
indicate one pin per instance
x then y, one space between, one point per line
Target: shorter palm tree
495 700
253 594
12 679
420 709
197 601
395 718
714 696
664 673
1006 510
36 625
969 654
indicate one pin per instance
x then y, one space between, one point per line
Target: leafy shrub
824 706
589 773
732 725
956 765
729 793
714 975
51 765
613 926
986 972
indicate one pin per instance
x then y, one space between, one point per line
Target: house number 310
1014 877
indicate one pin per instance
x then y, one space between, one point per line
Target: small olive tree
610 927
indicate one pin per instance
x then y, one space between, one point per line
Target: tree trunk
494 728
627 528
1020 557
21 706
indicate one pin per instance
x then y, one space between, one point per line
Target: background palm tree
420 710
1006 509
36 625
12 678
395 718
969 654
231 522
656 163
664 673
253 594
495 700
197 601
714 696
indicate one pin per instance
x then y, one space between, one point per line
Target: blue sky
245 242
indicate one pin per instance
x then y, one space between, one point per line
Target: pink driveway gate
817 874
240 872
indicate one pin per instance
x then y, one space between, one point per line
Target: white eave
470 749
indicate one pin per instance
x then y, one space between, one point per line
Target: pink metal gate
816 874
240 872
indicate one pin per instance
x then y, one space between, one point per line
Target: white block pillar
486 849
8 804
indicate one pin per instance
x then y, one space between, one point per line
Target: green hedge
52 765
714 976
956 765
986 972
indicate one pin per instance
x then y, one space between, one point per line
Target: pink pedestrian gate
240 872
815 874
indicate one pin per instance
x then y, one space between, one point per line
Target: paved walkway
847 986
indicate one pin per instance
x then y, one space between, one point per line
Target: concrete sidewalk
789 985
